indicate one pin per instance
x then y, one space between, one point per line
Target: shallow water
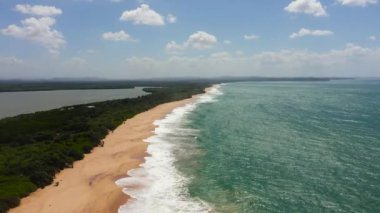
266 147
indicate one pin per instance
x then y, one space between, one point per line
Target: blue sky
129 39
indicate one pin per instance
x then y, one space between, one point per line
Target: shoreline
90 185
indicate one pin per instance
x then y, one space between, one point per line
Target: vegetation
16 86
34 147
71 84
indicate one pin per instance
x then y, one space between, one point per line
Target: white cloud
117 36
352 60
10 60
38 30
357 3
143 15
171 19
306 32
250 37
349 61
311 7
201 40
38 10
372 38
174 48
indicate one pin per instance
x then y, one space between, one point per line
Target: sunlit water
265 147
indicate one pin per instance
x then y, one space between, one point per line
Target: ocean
265 147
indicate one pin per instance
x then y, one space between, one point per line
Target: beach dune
90 185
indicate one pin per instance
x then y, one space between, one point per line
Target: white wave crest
157 186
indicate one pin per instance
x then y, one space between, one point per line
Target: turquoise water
264 147
284 147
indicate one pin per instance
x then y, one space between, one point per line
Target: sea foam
157 186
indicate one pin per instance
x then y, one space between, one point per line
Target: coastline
90 185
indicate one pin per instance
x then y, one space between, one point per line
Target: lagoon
16 103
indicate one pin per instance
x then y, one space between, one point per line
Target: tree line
34 147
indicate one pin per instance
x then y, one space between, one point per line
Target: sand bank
90 185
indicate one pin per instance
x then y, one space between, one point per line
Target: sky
135 39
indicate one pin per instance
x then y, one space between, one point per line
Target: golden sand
90 185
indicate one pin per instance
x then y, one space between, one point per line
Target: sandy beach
90 185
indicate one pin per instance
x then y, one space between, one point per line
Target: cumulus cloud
10 60
199 40
357 3
250 37
38 30
171 19
173 48
311 7
143 15
38 10
372 38
306 32
352 60
117 36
